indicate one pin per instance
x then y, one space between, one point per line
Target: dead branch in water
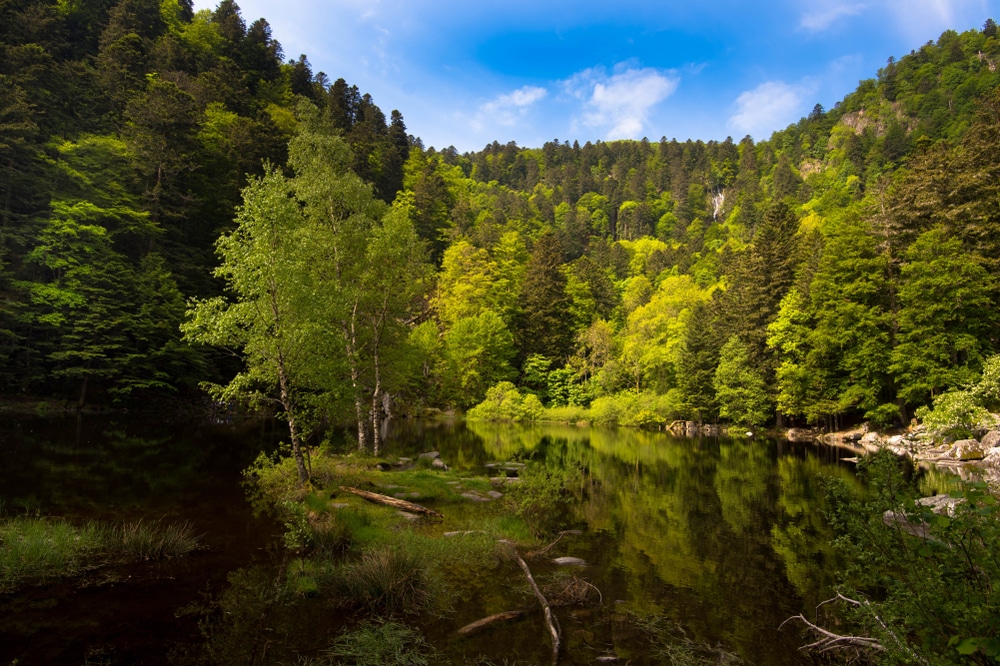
831 641
550 620
402 505
499 617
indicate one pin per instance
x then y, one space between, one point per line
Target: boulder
870 438
966 449
799 435
991 439
437 463
940 504
433 455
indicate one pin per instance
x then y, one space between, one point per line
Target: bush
504 402
541 498
639 410
931 599
956 413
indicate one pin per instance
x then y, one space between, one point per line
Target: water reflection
723 538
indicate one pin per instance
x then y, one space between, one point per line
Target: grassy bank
35 550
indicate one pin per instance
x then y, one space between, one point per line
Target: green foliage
542 498
379 643
926 599
386 580
503 402
965 412
740 387
37 550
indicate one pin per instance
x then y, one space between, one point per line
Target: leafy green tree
478 352
945 318
266 272
740 387
343 217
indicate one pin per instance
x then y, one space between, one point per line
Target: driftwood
402 505
499 617
828 640
550 620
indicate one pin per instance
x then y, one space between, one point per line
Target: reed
36 550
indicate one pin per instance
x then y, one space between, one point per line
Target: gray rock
570 562
475 497
991 439
940 504
433 455
799 435
437 463
966 449
495 494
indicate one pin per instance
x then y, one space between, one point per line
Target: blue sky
466 73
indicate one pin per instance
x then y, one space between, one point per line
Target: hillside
841 269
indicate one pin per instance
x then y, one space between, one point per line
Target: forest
183 208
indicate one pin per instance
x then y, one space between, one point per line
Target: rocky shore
971 459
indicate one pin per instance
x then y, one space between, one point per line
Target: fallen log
499 617
403 505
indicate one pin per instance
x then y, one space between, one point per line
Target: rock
940 504
338 505
799 435
991 439
569 562
966 449
433 455
504 480
412 517
437 463
475 497
495 494
870 438
607 659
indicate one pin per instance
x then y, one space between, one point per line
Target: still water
721 538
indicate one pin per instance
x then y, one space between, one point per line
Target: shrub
929 599
504 402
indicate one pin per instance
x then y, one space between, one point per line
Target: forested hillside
127 130
841 269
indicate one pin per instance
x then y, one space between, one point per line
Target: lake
718 539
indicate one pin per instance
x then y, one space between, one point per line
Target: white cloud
620 104
921 20
507 110
768 107
825 16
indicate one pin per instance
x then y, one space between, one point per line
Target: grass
379 643
35 550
